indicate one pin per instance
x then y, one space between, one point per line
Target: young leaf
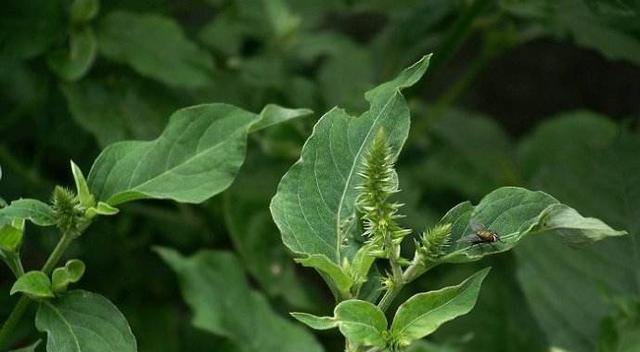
71 273
156 47
361 322
33 210
101 209
81 321
314 321
273 114
82 189
222 302
314 207
196 157
11 235
35 284
337 277
514 212
423 313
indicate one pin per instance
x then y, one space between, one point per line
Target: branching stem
23 303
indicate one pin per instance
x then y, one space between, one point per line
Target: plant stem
23 303
416 269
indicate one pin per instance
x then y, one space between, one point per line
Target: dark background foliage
543 94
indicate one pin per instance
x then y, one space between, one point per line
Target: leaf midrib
66 324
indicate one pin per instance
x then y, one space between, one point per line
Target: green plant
335 210
196 157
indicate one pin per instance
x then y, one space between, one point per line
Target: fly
481 234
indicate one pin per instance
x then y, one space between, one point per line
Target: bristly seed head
379 182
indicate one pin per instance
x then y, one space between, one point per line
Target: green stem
413 271
22 305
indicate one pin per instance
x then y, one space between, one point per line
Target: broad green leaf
469 153
84 10
156 47
82 189
423 313
31 348
513 213
81 321
600 177
71 273
33 210
215 288
35 284
75 61
196 157
315 322
29 28
333 271
254 235
314 207
361 322
117 109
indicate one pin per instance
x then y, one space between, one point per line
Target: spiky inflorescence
378 184
434 242
69 214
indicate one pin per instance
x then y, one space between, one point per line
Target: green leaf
71 273
101 208
82 189
255 237
222 302
469 153
31 348
35 284
273 114
513 213
423 313
196 157
82 321
74 62
601 176
361 322
315 322
84 10
314 207
117 109
11 236
33 210
155 46
338 278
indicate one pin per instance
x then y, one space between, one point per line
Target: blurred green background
540 93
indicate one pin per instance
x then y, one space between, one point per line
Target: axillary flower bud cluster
434 242
69 212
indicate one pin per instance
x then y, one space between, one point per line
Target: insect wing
476 226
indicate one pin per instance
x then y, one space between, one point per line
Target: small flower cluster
434 242
68 211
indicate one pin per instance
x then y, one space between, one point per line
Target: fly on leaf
480 234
